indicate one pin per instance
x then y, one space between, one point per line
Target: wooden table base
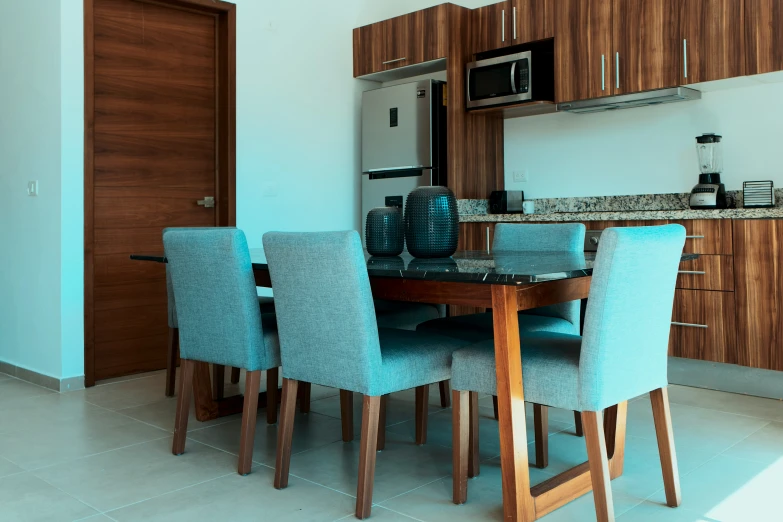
207 408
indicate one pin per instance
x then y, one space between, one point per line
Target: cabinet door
707 236
399 48
428 33
703 326
713 40
763 36
369 44
583 45
490 26
531 20
647 48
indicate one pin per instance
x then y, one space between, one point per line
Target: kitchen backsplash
647 202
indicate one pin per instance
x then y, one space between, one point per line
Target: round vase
431 222
384 232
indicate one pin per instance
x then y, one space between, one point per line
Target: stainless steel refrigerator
403 142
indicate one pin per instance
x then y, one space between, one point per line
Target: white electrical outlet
32 188
521 176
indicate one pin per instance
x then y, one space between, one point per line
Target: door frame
225 182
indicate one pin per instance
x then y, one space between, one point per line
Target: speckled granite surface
643 208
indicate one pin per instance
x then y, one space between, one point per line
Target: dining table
507 283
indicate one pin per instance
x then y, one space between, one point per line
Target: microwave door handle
514 77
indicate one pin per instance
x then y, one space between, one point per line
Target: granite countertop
629 215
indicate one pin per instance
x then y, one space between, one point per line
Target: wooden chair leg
474 467
304 397
445 395
346 414
599 465
495 406
218 381
382 424
370 415
171 361
285 432
235 375
460 445
422 405
249 414
183 406
578 422
663 430
271 394
541 427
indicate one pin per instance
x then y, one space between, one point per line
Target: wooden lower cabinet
703 326
707 273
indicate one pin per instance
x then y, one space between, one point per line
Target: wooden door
531 20
583 46
490 26
157 121
647 48
713 34
763 36
369 49
758 262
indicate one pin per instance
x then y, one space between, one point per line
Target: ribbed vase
384 232
431 222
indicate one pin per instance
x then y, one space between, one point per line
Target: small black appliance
710 193
506 202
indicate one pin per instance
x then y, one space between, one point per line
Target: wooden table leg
518 503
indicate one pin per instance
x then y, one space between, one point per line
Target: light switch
32 188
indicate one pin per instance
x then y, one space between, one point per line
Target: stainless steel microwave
510 79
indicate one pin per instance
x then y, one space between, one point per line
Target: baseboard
45 381
726 377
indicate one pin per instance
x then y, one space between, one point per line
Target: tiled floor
104 454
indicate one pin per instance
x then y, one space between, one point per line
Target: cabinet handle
694 237
685 56
691 272
617 70
515 23
690 325
395 61
603 72
488 247
503 26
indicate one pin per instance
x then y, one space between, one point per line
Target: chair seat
406 316
550 369
479 327
411 359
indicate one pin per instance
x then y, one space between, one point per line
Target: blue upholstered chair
622 354
220 322
267 305
329 335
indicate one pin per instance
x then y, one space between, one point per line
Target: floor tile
8 468
12 390
310 431
384 515
60 442
26 498
746 405
652 512
4 376
126 394
161 414
401 467
398 409
240 499
39 412
765 446
555 414
145 470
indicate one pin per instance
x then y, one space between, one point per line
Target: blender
710 193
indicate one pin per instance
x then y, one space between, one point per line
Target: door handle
690 325
603 72
685 57
503 26
692 272
208 202
617 70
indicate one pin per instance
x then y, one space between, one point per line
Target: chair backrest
170 301
216 298
561 237
325 313
629 313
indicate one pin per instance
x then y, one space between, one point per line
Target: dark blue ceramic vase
431 222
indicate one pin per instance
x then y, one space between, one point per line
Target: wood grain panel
715 35
707 273
399 47
583 35
126 324
138 240
708 236
758 264
126 296
429 32
487 25
763 36
647 45
111 358
713 310
534 20
369 45
115 269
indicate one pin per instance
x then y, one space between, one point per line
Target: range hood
629 101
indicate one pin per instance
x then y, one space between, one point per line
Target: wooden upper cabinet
398 42
763 36
490 27
531 20
647 47
713 40
583 46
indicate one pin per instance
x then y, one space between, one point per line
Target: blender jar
710 153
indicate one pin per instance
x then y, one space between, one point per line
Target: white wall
649 150
30 327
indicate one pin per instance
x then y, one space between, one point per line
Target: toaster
506 202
